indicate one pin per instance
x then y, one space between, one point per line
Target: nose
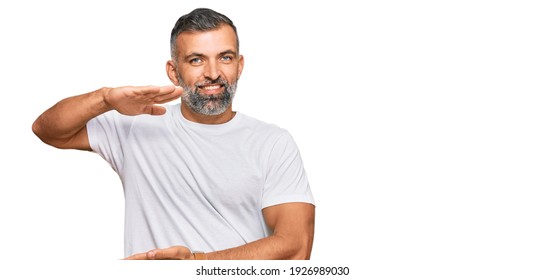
211 70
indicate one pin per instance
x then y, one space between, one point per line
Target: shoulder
268 137
259 124
262 128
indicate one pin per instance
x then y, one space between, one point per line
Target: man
200 180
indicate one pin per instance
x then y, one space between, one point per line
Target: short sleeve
286 179
107 133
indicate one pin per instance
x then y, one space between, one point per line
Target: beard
210 105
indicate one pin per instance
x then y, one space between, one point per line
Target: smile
211 89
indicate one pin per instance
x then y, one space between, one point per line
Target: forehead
208 42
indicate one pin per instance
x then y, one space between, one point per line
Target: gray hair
201 19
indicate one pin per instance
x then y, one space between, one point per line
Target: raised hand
171 253
64 125
131 100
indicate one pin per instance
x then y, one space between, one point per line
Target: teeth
211 87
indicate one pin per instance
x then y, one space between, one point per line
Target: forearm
60 123
293 226
269 248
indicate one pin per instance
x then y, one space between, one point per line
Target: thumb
151 255
156 110
171 253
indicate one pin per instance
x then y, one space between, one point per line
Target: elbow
41 132
301 255
301 249
304 251
38 131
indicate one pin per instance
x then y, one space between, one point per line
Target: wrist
199 255
104 92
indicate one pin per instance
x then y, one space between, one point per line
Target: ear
171 72
240 65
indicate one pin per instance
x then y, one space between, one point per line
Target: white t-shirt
196 185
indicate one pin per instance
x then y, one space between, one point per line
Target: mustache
208 104
219 80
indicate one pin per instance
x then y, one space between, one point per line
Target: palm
141 100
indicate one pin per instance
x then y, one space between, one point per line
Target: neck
205 119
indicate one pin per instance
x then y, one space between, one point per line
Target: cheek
191 76
231 74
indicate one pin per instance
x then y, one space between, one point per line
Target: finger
141 256
154 90
162 101
162 254
169 96
146 89
157 94
172 253
168 89
151 255
154 110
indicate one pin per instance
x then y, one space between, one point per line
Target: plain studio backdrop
420 124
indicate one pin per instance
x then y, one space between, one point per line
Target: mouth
211 89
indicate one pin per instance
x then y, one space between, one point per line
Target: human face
208 67
208 104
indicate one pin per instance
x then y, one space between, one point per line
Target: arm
64 125
292 238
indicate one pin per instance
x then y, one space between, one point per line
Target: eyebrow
228 52
193 54
203 55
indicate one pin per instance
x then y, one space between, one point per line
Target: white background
420 124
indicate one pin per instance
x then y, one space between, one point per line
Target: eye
226 58
195 61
